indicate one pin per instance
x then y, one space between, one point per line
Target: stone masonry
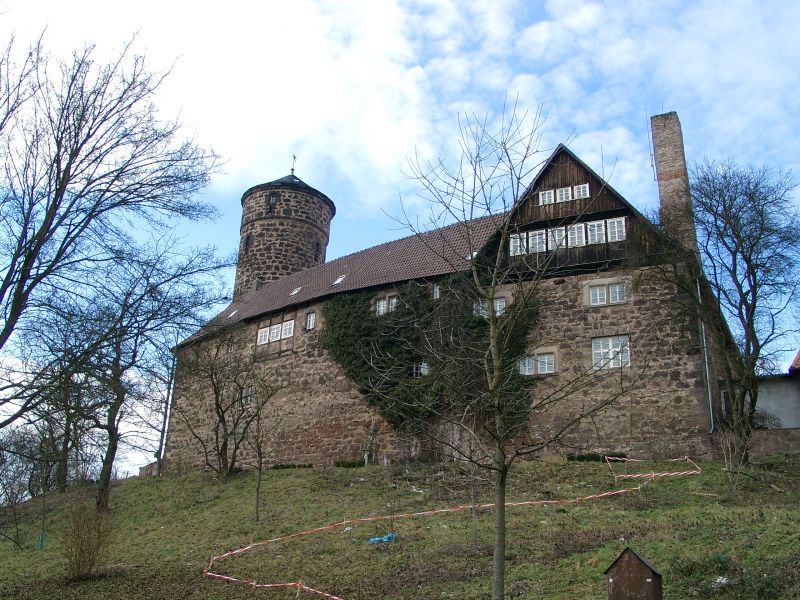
285 229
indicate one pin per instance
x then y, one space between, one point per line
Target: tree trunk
62 465
499 562
112 428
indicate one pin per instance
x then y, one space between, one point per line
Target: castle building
594 314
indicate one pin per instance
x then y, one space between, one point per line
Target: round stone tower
285 229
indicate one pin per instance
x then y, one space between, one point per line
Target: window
545 363
245 397
546 197
611 293
287 329
263 336
437 291
611 352
616 229
616 293
564 194
538 364
311 320
275 333
480 307
339 280
558 238
295 290
526 366
597 295
519 244
596 232
577 236
724 402
537 241
421 369
581 191
385 305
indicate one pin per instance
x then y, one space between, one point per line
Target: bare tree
445 362
118 329
748 234
83 157
236 392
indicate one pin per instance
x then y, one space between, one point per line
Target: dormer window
339 280
295 291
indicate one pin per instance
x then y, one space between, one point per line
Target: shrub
86 533
281 466
349 463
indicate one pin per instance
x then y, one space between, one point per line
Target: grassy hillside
695 529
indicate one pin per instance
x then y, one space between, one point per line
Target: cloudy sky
355 87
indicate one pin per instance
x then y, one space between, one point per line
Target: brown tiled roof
430 254
795 367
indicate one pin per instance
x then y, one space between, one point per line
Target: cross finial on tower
294 160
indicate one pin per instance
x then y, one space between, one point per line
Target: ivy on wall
379 353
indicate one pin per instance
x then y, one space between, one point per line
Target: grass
708 539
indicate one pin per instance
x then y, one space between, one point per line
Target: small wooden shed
632 577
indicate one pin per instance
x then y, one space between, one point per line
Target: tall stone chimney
676 212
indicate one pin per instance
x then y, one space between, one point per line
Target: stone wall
764 442
654 407
657 406
316 415
279 240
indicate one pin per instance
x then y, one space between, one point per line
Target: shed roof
646 562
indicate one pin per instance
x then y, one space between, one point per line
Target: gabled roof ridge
562 148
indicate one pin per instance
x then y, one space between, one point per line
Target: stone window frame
607 284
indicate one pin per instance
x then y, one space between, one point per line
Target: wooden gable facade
593 208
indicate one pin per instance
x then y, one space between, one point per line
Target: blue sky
355 87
